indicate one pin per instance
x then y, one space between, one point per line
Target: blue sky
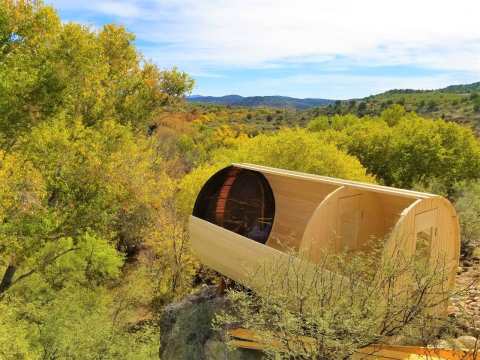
304 48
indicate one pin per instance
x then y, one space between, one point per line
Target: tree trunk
7 278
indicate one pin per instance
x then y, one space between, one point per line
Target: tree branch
47 262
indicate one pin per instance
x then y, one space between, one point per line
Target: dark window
238 200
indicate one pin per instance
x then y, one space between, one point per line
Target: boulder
469 342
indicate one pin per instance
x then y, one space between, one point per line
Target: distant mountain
256 101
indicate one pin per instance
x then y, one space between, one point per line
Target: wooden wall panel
295 201
372 220
347 218
393 207
320 234
228 253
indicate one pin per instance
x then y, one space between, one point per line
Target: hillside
458 103
474 87
257 101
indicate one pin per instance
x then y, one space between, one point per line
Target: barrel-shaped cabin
246 214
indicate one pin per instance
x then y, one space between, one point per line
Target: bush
468 209
476 107
336 122
393 114
306 311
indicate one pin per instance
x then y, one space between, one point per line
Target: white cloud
439 34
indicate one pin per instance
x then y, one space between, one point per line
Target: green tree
432 105
100 181
86 199
336 122
176 83
48 67
393 114
476 105
14 335
27 79
413 150
84 193
423 149
362 108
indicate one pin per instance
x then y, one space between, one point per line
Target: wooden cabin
246 214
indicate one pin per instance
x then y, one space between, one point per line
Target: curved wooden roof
334 181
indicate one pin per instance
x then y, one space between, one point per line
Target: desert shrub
332 309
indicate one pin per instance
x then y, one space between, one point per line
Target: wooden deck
247 339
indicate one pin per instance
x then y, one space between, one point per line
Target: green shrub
468 209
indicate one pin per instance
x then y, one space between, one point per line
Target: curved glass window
238 200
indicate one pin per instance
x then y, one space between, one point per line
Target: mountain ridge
306 103
258 101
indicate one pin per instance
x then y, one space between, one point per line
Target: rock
449 344
215 350
186 330
441 344
469 342
395 340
